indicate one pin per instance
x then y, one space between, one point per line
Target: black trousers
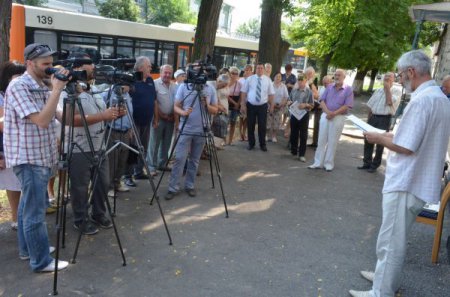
256 113
381 122
299 128
317 114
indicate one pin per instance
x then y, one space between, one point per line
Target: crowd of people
170 117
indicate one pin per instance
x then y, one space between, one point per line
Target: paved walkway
291 232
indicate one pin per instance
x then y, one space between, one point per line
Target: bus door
183 56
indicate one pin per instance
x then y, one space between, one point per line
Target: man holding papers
335 102
382 105
302 98
413 171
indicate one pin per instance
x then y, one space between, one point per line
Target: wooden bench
438 223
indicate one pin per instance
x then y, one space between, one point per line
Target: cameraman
30 149
193 108
80 167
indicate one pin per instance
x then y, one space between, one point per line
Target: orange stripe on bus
17 33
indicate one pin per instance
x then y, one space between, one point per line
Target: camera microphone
74 75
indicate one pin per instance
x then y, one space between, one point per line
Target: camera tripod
96 161
122 103
198 102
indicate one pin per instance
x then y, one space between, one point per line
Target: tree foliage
355 33
251 28
126 10
33 2
165 12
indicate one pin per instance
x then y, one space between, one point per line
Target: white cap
178 73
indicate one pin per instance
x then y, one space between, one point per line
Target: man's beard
407 85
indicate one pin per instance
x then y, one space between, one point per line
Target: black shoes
264 148
87 229
364 167
372 169
170 195
102 222
140 176
250 147
191 192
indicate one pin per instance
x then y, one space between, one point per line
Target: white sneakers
368 275
51 267
302 159
360 293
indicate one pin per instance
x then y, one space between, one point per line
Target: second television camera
117 71
199 73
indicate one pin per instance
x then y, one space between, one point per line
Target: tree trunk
373 76
271 47
5 21
324 66
205 34
359 81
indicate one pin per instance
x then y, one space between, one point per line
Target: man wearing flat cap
31 150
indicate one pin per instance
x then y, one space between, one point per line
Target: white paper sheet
363 125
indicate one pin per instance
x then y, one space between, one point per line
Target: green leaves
120 9
165 12
363 34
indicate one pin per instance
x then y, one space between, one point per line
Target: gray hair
140 62
447 77
309 70
416 59
161 69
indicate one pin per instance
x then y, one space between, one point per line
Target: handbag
220 125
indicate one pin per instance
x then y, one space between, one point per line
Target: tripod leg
215 158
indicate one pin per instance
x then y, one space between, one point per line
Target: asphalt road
291 231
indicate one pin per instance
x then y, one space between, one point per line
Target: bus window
145 48
46 37
240 59
183 54
222 57
167 54
72 44
107 47
125 48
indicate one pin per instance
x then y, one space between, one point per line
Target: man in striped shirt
382 105
31 150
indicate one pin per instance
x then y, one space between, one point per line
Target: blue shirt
188 98
143 100
122 123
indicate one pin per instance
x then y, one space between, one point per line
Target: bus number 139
45 20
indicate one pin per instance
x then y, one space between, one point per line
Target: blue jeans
187 145
32 228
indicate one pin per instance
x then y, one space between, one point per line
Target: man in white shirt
382 106
413 171
256 98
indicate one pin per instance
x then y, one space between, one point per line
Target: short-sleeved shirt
302 95
250 89
165 96
425 130
143 95
123 123
377 102
24 141
281 93
187 96
336 98
91 105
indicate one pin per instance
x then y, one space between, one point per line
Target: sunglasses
37 51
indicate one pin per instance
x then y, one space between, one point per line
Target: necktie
258 90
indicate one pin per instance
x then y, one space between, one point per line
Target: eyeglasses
399 75
38 50
234 73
